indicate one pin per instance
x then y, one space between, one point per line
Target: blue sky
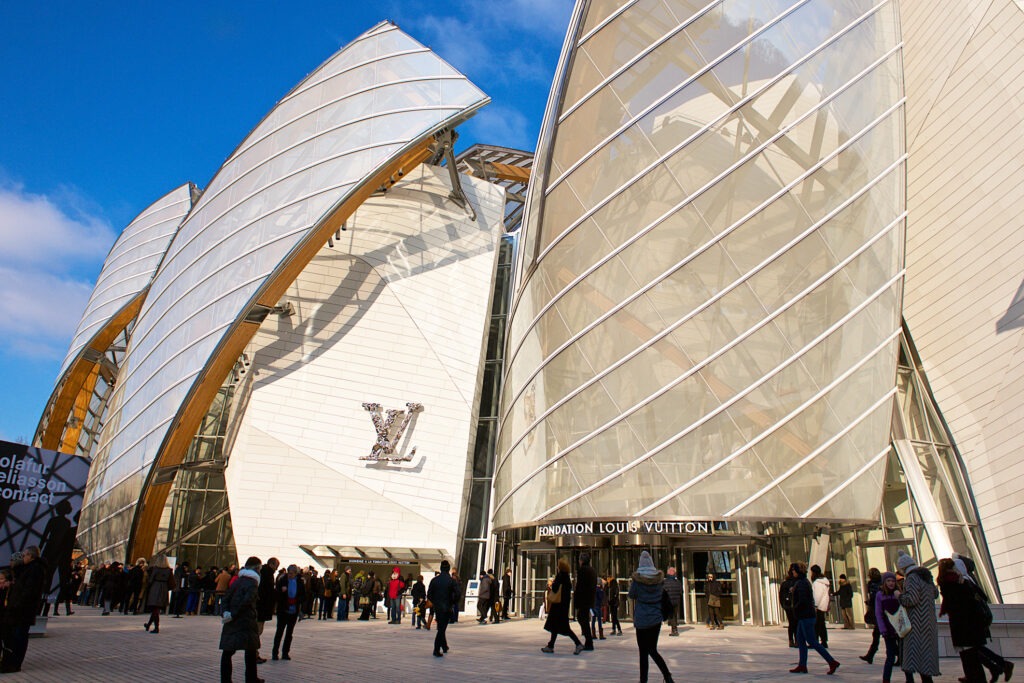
107 106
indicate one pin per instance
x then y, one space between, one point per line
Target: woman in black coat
114 584
557 622
966 629
156 591
240 631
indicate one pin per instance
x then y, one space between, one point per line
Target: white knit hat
905 562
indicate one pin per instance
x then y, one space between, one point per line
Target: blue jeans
395 609
342 609
807 638
892 648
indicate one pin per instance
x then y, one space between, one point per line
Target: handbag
900 621
714 601
554 597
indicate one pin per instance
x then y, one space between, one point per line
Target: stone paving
87 647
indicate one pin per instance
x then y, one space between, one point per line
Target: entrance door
538 567
720 562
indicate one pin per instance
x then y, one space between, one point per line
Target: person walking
22 606
344 593
804 608
967 629
612 592
674 588
990 660
874 585
845 596
557 609
713 593
920 647
160 577
646 589
443 593
265 599
240 630
483 598
134 587
597 611
419 599
506 594
583 598
291 593
822 592
457 599
786 601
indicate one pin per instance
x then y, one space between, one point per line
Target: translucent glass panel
710 323
357 112
131 263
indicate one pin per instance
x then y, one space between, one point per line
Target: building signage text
627 527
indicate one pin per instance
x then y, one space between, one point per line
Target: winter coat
281 588
240 633
786 594
712 587
646 590
820 586
612 591
135 575
265 596
920 650
845 594
484 593
114 584
156 593
958 602
506 587
557 621
25 593
885 604
345 585
419 592
443 593
803 599
586 587
395 588
869 614
674 588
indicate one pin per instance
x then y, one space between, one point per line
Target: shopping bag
900 621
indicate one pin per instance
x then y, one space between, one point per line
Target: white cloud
53 248
37 230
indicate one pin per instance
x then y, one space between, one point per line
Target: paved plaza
88 647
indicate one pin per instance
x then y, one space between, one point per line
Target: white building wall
395 313
964 300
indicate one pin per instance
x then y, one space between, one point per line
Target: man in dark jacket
806 615
22 605
674 588
241 628
344 593
583 598
265 598
442 594
786 601
291 593
483 600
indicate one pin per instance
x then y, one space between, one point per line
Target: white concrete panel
395 312
963 299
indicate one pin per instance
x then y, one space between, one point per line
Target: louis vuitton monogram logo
388 433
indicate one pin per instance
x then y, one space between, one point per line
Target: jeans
342 609
806 638
395 609
440 638
892 648
250 666
647 643
285 627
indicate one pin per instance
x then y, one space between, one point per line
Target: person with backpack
874 585
786 600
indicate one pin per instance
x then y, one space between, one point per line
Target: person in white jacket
821 590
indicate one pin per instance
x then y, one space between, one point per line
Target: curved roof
321 151
131 263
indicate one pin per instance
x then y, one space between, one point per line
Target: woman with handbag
967 631
556 606
887 602
648 589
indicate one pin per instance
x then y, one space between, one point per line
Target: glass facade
707 322
372 102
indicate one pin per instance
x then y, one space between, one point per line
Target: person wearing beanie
241 629
969 622
806 615
887 601
646 588
920 647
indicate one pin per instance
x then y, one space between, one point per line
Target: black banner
40 499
